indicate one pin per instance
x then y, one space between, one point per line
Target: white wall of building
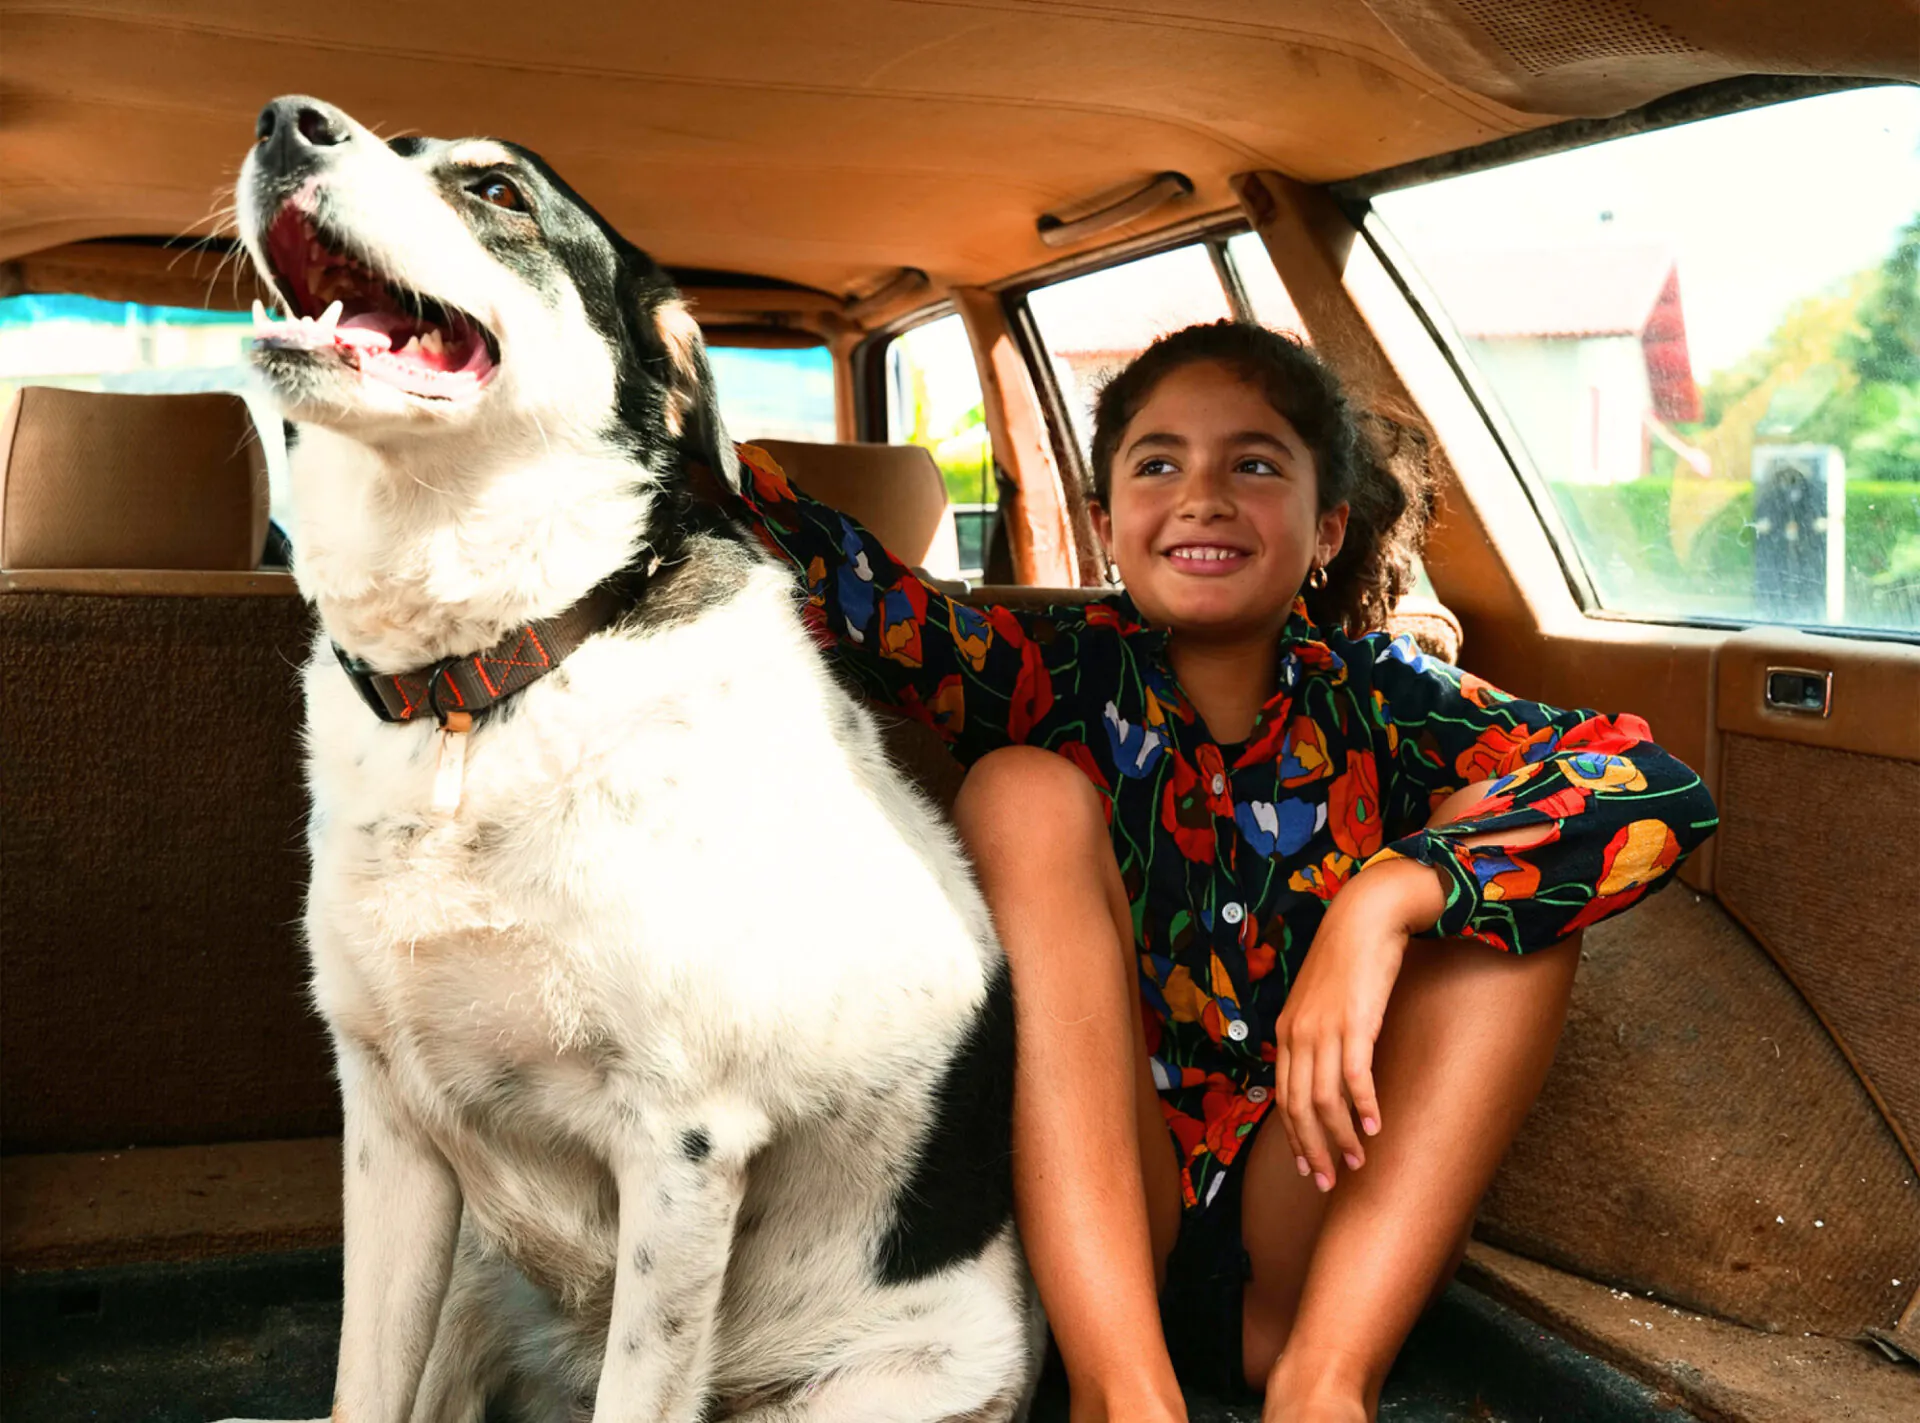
1578 404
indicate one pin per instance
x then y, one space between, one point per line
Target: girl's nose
1206 492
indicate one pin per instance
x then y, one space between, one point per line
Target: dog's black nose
293 127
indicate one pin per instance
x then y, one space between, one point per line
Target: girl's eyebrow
1239 437
1158 437
1262 437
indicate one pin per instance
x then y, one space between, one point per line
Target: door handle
1800 690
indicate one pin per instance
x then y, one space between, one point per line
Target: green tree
1886 349
1842 368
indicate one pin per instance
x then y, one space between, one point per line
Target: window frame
869 368
1212 232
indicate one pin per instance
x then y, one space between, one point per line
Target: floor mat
255 1338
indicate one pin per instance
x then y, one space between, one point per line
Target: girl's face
1213 510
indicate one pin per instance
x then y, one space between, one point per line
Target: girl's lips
1207 560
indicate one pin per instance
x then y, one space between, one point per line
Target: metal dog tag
450 762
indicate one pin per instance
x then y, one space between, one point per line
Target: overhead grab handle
1161 188
895 289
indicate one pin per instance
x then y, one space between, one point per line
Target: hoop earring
1317 578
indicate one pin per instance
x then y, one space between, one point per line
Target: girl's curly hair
1375 465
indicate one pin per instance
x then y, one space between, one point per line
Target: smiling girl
1291 907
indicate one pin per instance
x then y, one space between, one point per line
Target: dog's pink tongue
369 330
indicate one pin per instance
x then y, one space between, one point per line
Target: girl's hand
1323 1069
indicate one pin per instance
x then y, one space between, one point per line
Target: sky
1760 208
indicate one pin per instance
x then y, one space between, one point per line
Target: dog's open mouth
341 305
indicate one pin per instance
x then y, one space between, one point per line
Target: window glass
84 344
1705 342
1271 305
777 394
1093 325
933 400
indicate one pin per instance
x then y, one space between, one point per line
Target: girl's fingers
1330 1102
1306 1122
1359 1079
1285 1117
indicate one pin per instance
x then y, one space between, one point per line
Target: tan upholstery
99 481
828 144
1694 1099
894 490
1818 858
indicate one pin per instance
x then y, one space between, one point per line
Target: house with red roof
1585 347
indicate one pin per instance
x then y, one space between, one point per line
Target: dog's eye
501 194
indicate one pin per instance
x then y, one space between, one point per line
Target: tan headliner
829 143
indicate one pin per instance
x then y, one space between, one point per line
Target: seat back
96 481
895 491
152 983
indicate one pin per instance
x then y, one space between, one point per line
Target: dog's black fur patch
960 1192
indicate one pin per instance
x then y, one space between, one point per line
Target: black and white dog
674 1039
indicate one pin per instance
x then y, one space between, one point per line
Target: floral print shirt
1230 853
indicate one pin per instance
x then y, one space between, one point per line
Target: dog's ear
693 409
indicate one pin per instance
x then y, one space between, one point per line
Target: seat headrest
894 490
93 480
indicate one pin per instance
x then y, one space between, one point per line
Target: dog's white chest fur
656 852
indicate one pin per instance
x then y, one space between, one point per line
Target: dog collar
470 684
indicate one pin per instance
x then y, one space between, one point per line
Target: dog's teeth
260 319
329 319
411 348
431 343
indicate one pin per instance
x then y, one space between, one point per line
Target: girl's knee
1024 792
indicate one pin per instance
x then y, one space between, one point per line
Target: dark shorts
1207 1274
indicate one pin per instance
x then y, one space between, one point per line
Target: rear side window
775 394
934 401
1094 325
1704 345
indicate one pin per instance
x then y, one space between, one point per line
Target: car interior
916 233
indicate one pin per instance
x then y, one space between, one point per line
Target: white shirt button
1232 912
1237 1030
1219 784
1256 1094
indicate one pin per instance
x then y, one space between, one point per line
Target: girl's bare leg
1095 1233
1338 1279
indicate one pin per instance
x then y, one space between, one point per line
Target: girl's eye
1154 466
501 194
1254 465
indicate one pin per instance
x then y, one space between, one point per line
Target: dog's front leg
402 1219
681 1178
